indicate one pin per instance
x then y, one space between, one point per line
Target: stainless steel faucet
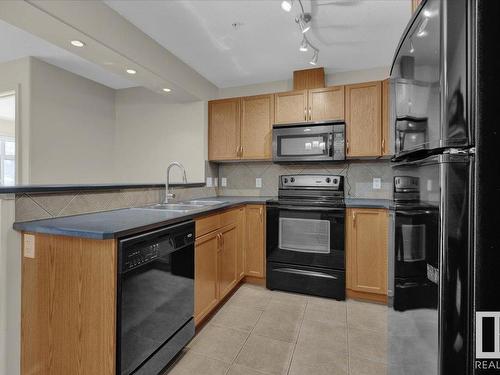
184 179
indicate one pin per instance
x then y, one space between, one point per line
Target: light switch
209 181
258 182
377 183
29 246
223 182
429 185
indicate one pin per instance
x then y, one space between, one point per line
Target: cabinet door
227 259
224 129
363 119
240 266
290 107
309 78
205 275
326 104
386 124
257 116
367 232
255 240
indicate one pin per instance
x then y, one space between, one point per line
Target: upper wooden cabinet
290 107
257 116
363 107
386 125
366 239
326 104
309 79
224 129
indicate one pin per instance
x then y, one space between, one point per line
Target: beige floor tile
266 355
366 315
242 370
289 297
250 297
279 324
221 343
360 366
298 368
233 316
367 344
337 316
321 357
322 336
327 304
196 364
294 309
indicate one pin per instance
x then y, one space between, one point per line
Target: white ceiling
16 43
351 34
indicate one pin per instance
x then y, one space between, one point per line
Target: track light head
304 45
314 60
305 24
286 5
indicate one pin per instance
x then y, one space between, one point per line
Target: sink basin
177 207
204 203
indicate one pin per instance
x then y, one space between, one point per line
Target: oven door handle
413 213
307 208
305 273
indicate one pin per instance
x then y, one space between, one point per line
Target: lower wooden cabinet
366 247
255 241
229 246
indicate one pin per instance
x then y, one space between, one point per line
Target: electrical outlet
223 182
209 181
258 182
29 246
377 183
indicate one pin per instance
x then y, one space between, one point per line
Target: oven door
155 300
304 143
308 236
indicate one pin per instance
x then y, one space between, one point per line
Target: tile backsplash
358 175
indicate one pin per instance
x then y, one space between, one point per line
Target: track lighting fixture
305 22
304 45
314 60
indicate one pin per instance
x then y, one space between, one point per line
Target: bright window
7 138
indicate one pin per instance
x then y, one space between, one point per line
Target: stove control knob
328 180
292 179
335 181
286 180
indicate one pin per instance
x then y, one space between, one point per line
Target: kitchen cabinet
326 104
240 265
363 107
224 129
255 241
414 5
366 247
386 124
205 280
290 107
309 79
227 260
257 116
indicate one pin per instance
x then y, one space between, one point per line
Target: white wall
72 127
151 133
342 78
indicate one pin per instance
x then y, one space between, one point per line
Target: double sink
183 206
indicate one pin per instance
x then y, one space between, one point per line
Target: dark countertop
124 222
86 187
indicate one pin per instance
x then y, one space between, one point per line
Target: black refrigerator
444 316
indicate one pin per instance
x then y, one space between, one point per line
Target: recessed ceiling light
77 43
286 5
131 71
167 90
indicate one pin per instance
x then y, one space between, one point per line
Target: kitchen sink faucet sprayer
184 179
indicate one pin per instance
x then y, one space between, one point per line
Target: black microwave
309 142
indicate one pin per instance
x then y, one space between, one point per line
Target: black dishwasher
155 298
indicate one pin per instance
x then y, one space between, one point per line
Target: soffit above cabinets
263 47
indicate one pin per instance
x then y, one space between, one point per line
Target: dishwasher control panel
136 257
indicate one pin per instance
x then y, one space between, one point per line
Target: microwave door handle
329 144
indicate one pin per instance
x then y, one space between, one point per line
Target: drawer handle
305 273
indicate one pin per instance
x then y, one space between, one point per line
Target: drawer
207 224
229 217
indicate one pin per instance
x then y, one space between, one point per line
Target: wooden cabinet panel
386 126
363 119
309 79
205 275
227 260
367 232
326 104
414 5
290 107
207 224
224 129
255 240
257 116
240 262
68 309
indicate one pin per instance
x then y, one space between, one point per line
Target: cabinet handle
347 146
219 238
383 146
310 113
241 151
260 213
305 113
354 219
